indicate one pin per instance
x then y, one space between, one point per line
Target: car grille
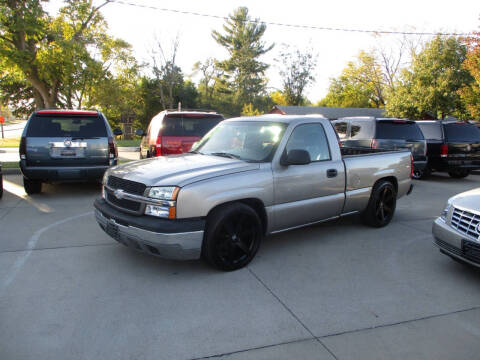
466 222
131 187
471 251
446 246
123 203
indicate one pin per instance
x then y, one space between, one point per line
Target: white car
457 230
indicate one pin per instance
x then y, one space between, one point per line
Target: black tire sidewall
214 223
369 215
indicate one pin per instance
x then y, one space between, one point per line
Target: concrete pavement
333 291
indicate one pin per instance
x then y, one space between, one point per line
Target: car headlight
163 192
105 178
445 211
168 208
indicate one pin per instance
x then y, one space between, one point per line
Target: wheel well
391 179
256 204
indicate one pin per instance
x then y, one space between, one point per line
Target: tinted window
398 130
66 126
341 129
461 132
312 138
361 129
431 131
188 126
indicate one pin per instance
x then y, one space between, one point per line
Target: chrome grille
128 187
466 222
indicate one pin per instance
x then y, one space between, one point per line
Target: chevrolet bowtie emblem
118 194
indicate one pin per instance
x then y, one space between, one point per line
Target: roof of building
329 112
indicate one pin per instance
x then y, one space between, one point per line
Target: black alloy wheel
381 206
233 236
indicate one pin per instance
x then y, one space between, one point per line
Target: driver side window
312 138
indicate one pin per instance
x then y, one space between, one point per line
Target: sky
140 26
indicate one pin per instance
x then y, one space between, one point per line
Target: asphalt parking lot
332 291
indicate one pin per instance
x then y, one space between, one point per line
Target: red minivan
174 132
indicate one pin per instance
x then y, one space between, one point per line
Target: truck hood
469 200
180 170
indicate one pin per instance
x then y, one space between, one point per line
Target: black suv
452 146
66 145
384 133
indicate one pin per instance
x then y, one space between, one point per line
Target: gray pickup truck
247 178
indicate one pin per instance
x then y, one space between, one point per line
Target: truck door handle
331 173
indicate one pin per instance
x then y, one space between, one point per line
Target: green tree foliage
297 74
431 85
243 72
470 94
361 84
60 61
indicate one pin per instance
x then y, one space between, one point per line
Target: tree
47 51
361 84
244 74
297 73
470 94
431 85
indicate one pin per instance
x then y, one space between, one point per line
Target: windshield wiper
195 152
225 154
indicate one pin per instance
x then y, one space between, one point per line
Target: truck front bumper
453 243
170 239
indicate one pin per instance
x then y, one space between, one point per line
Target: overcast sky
139 26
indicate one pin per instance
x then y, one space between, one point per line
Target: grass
11 142
15 142
128 143
10 165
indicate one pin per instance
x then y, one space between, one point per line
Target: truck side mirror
295 157
140 132
117 132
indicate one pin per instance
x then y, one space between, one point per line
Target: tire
459 173
1 186
421 174
381 206
232 237
32 186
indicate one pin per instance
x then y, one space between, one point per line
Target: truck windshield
254 141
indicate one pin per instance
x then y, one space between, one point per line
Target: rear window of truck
188 125
461 132
66 126
431 131
403 130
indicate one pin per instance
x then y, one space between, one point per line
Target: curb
129 149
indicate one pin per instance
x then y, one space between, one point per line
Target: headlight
168 207
105 178
163 192
445 212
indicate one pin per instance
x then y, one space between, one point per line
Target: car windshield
189 125
67 126
253 141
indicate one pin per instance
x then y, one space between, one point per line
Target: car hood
469 200
180 170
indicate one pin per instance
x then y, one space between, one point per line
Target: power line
298 26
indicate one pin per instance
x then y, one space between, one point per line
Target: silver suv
66 145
